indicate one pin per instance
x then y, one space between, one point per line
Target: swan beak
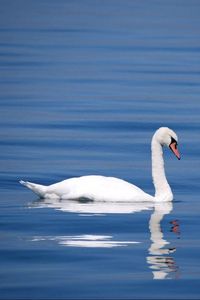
173 147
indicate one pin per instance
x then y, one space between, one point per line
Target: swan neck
162 189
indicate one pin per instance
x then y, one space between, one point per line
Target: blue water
83 87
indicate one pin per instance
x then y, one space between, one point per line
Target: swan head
167 137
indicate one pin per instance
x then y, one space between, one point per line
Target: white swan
100 188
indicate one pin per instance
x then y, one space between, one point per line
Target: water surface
83 87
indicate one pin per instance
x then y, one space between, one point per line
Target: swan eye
173 141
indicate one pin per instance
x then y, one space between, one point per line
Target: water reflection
94 208
90 208
159 260
86 241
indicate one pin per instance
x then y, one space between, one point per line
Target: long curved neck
162 189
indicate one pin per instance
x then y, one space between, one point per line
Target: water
83 86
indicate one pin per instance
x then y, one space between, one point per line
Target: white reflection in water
160 261
92 207
87 240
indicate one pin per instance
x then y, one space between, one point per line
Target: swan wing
98 188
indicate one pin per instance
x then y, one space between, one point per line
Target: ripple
86 241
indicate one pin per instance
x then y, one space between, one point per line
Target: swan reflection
86 241
90 208
159 260
85 206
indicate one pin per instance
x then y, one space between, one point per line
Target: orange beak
173 147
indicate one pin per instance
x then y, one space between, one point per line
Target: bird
104 188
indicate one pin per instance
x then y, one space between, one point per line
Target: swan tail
38 189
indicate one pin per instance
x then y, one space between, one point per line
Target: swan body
101 188
93 187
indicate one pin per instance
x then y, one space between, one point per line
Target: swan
101 188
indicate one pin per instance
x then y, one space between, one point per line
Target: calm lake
83 86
